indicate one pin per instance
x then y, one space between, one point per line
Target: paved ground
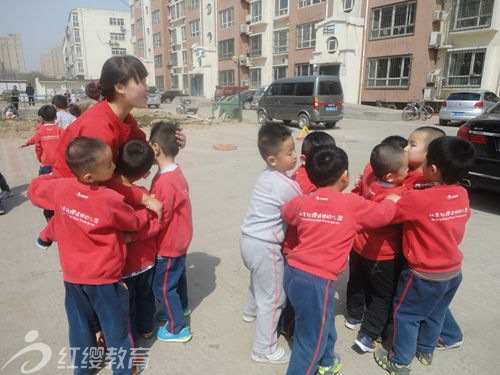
31 294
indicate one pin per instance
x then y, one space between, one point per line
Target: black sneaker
424 358
44 245
393 368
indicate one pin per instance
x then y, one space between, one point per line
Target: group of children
399 230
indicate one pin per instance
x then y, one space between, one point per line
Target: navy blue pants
419 309
170 289
451 332
142 302
110 303
312 299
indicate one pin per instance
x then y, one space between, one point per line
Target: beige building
92 36
12 54
382 50
52 63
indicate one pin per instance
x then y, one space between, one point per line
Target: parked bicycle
417 110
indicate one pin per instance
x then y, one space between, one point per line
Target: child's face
286 158
135 93
105 166
417 149
400 175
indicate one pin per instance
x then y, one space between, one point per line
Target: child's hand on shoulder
393 197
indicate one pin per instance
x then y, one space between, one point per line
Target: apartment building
52 63
382 50
12 54
92 36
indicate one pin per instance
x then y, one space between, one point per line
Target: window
348 5
132 29
184 58
155 17
280 41
280 72
116 21
287 89
471 14
389 71
177 10
117 36
157 39
140 45
77 36
183 33
79 65
78 50
74 16
255 45
158 61
256 11
175 81
226 49
226 78
306 35
194 4
173 36
332 45
173 56
304 88
118 51
465 68
185 81
303 70
194 28
159 82
139 24
280 8
393 20
226 18
308 3
255 77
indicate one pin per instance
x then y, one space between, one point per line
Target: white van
309 99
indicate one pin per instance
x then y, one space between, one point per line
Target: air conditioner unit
432 78
243 82
438 15
248 18
435 39
244 29
430 93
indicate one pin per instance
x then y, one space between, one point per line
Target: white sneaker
248 318
280 356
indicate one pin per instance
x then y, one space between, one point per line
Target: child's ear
156 148
271 160
388 178
119 88
303 159
87 178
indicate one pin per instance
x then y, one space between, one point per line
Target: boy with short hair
326 221
64 118
261 238
90 220
169 280
46 138
375 260
433 217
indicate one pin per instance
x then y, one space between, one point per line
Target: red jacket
141 252
89 222
47 139
326 222
380 243
171 188
101 122
433 226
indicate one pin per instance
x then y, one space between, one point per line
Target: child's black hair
326 164
271 138
74 109
386 158
453 156
48 113
134 159
82 154
315 139
60 101
396 140
431 133
163 133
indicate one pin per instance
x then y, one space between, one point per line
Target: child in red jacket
169 280
89 221
433 217
375 260
326 221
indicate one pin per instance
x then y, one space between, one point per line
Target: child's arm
47 236
373 214
42 191
152 229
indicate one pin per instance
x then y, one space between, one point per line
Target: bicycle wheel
410 113
425 112
429 110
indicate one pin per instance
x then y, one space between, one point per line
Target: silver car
464 105
154 99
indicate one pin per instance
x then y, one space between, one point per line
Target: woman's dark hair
93 91
120 69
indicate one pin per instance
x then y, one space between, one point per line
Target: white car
154 99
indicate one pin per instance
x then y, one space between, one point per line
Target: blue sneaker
365 343
352 323
183 336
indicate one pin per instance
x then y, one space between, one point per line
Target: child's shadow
17 199
201 276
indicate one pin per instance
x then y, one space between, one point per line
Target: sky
42 23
